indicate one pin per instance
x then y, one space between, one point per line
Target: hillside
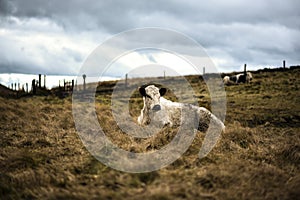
6 92
258 157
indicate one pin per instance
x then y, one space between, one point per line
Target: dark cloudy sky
55 37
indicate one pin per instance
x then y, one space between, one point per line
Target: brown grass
258 157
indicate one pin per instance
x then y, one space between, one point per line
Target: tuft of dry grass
257 157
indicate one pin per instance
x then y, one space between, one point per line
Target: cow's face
152 96
249 77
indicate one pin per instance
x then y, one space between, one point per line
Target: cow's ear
162 91
142 91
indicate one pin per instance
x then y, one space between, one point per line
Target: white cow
157 109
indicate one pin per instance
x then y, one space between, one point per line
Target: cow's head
249 77
152 95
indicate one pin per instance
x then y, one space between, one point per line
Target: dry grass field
258 157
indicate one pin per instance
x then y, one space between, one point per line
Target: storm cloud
55 37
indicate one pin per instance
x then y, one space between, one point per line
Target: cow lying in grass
157 109
239 78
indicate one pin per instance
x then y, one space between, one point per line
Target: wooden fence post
84 77
126 79
72 85
203 70
40 80
33 86
245 73
45 81
26 87
283 63
64 84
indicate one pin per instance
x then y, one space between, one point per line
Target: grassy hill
6 92
258 157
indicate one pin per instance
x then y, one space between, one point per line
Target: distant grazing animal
226 80
157 109
239 78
